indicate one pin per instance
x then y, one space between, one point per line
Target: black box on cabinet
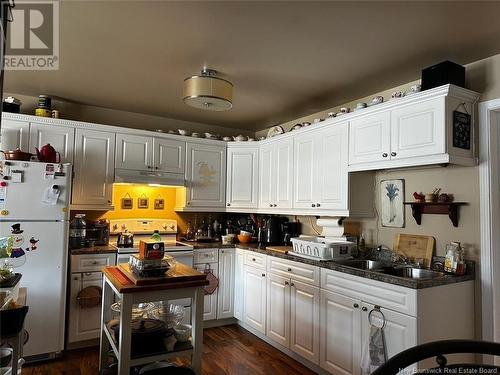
442 74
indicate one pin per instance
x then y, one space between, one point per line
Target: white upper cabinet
435 126
418 129
205 176
93 168
169 155
306 156
276 175
332 179
15 134
134 152
369 138
62 138
242 176
320 173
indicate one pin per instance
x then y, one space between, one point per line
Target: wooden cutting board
279 249
415 246
179 274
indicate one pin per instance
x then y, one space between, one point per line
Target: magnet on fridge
49 172
16 176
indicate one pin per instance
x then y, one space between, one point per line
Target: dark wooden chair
438 349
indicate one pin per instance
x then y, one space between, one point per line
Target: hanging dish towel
374 350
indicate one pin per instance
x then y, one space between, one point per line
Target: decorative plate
275 130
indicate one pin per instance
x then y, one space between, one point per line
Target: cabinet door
62 138
134 152
210 300
15 134
84 323
242 177
205 175
238 283
332 179
283 173
305 156
225 302
304 320
418 129
278 309
266 176
254 298
370 138
94 168
340 338
400 330
169 155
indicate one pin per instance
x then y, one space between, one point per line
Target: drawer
390 296
294 270
206 256
91 263
255 260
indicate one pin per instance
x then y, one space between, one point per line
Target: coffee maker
271 233
289 230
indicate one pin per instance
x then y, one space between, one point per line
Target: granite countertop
332 265
108 249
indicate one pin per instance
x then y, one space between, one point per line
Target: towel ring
377 309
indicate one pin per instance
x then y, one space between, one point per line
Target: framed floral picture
392 193
143 202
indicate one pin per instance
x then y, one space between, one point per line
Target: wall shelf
448 208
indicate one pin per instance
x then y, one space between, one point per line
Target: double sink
394 269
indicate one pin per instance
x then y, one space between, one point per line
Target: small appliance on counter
271 231
97 233
125 239
290 229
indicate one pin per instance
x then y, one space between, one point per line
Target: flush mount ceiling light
207 91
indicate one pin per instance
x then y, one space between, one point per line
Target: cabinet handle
189 203
149 167
263 275
270 204
318 205
109 201
364 308
286 282
156 167
222 251
253 259
292 284
355 305
393 153
384 155
94 262
275 205
228 204
289 270
313 205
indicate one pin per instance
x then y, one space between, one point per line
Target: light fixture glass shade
208 92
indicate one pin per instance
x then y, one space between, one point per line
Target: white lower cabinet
225 298
254 298
239 260
210 300
278 309
340 342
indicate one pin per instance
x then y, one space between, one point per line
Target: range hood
149 177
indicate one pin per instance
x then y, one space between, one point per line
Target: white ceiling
286 59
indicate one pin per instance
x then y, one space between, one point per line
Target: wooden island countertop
181 276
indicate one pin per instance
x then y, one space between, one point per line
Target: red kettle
47 154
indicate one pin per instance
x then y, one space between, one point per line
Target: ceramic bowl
415 88
397 94
227 139
316 120
377 99
331 114
196 135
246 233
296 127
261 138
361 105
244 239
240 138
345 110
182 332
305 123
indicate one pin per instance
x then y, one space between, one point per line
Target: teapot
47 154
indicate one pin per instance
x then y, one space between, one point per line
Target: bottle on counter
156 236
453 255
77 232
460 260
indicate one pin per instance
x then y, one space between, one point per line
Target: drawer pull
263 275
393 154
292 284
253 259
94 262
364 308
384 155
355 306
289 270
286 282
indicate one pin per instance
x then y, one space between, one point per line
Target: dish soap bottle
460 260
452 256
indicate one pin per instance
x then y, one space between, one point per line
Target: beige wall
107 116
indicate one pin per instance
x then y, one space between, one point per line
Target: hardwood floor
226 350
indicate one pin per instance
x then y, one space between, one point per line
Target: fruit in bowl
244 238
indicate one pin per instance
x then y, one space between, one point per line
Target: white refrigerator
34 210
